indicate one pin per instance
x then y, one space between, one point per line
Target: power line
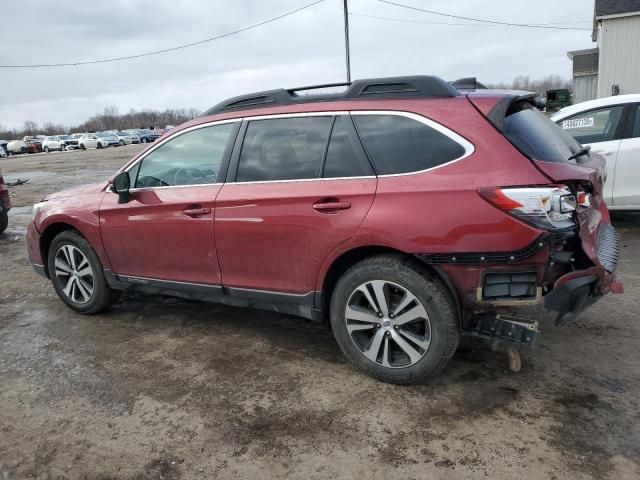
439 23
493 22
165 50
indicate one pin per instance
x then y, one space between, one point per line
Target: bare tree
30 128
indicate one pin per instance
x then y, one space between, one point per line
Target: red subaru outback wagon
402 211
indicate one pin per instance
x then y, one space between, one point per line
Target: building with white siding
613 68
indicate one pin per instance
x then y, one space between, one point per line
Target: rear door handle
197 212
606 154
328 207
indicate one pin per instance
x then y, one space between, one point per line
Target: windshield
145 131
121 133
65 137
537 136
102 134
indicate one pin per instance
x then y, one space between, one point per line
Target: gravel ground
160 388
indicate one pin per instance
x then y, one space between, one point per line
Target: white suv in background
611 126
59 142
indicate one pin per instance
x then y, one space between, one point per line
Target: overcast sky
305 48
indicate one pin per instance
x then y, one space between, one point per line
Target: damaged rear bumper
576 291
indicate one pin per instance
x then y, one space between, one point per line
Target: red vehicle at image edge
401 211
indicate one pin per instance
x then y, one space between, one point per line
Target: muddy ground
159 388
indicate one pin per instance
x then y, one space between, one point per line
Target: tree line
523 82
109 119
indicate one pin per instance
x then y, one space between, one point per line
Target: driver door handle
196 212
331 206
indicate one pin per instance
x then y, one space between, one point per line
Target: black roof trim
418 86
468 83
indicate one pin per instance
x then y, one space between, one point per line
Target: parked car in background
611 127
15 147
5 204
97 140
400 211
34 144
125 138
108 139
146 135
59 142
3 148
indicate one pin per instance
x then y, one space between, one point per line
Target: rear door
165 232
298 186
602 129
626 181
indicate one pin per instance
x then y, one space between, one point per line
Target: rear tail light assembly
550 207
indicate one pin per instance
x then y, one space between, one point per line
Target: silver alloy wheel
388 324
74 274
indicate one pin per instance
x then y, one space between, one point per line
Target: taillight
550 207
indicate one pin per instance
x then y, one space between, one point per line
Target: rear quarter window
537 136
397 144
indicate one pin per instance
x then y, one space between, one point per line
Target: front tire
46 149
82 147
393 320
144 140
121 142
99 145
77 276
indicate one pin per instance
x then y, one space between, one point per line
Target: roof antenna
346 38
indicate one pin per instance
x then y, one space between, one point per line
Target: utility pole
346 38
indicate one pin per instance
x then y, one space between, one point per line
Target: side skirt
300 305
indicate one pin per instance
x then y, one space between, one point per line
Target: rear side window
595 125
283 149
342 160
398 144
537 136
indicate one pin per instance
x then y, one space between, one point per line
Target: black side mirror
121 185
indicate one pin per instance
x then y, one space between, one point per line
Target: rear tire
77 275
4 220
409 332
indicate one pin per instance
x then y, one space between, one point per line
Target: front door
602 129
290 199
626 182
166 231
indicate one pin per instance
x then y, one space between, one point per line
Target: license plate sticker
577 123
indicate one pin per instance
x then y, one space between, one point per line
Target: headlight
36 209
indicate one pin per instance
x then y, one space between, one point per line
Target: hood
75 191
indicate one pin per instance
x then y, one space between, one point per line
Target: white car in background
125 138
611 127
59 142
97 140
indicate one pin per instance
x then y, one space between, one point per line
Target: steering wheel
189 176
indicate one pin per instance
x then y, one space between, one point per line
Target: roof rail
418 86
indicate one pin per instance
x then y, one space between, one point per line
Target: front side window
283 149
636 125
595 125
192 158
397 144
